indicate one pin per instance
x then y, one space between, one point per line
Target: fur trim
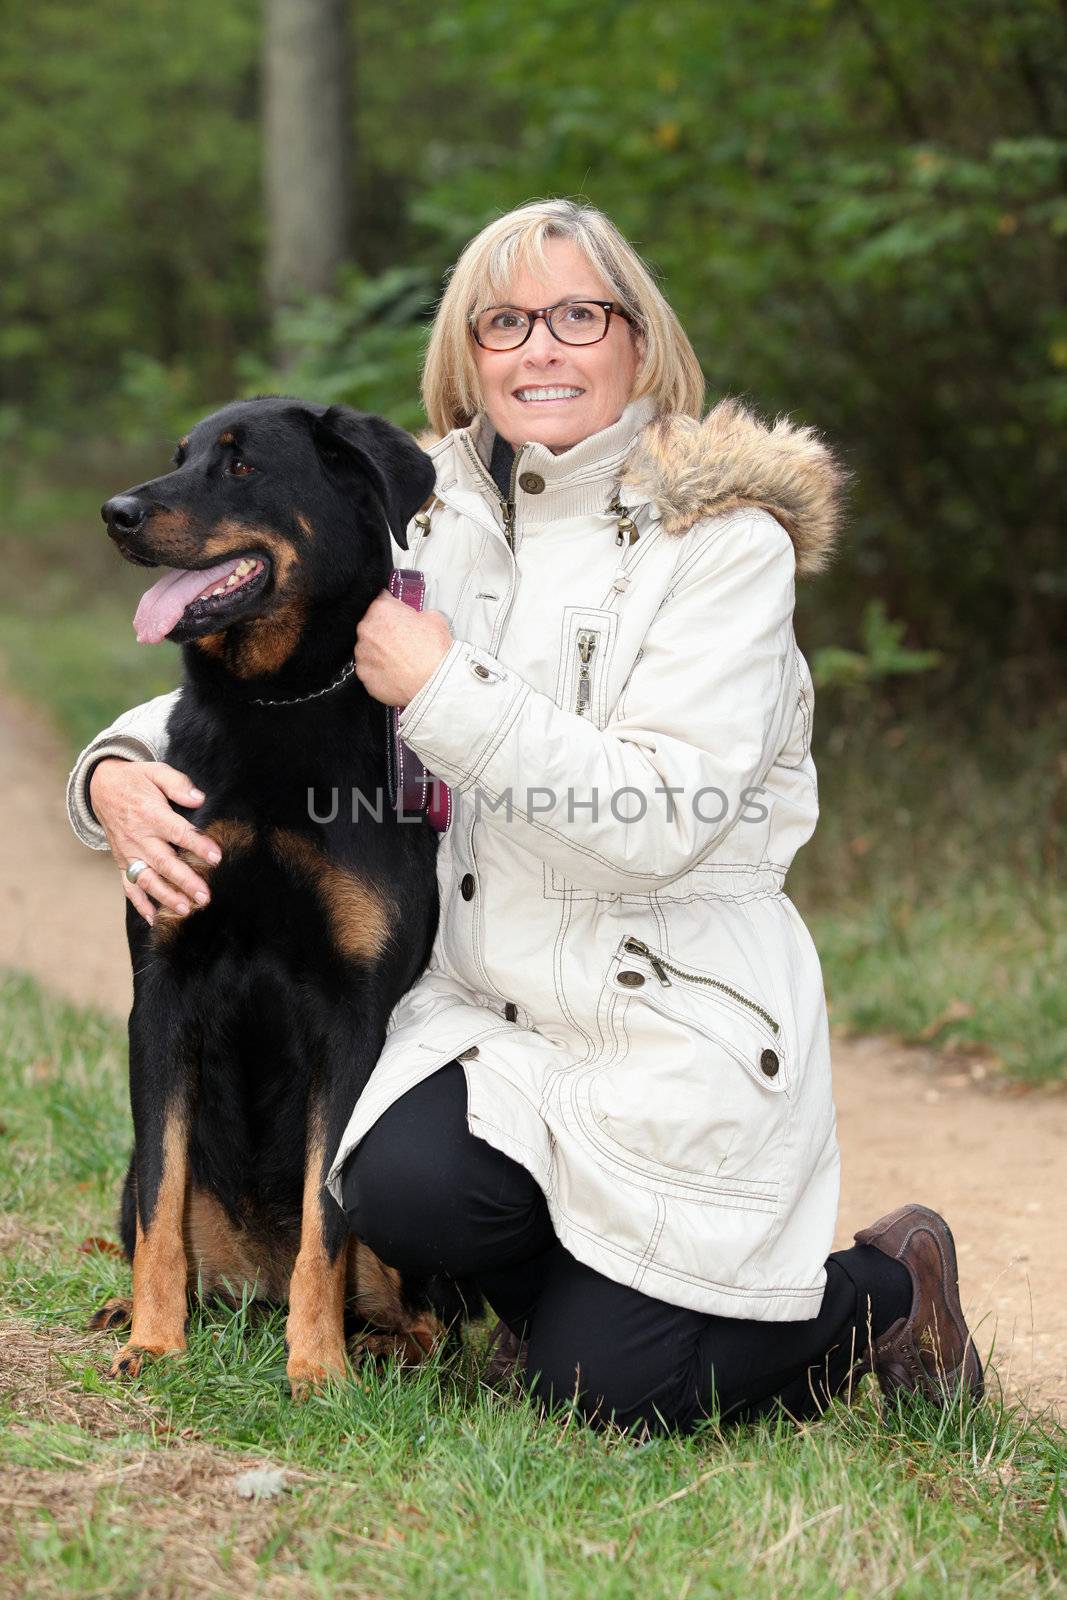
691 470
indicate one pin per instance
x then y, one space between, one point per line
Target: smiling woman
608 1098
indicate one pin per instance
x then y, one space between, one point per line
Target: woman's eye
238 468
506 319
577 313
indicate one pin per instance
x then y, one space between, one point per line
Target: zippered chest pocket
710 1004
586 646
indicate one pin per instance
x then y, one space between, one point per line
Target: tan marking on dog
315 1328
304 525
230 835
227 438
374 1292
223 1258
112 1315
361 918
212 644
264 644
231 538
159 1265
183 444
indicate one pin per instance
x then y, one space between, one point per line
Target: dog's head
274 506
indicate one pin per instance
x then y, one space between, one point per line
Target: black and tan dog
257 1019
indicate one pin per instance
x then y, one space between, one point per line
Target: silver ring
134 870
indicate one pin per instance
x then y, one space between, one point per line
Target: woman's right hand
132 800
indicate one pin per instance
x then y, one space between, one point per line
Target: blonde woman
608 1098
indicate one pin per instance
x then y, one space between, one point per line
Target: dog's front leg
315 1330
159 1266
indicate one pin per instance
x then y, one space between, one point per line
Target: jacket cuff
80 812
455 721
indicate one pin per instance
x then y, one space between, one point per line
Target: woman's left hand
398 648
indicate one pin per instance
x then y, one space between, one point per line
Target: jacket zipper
507 507
658 965
587 643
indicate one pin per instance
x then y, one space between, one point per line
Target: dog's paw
128 1363
308 1374
408 1348
111 1315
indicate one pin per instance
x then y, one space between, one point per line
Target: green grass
427 1483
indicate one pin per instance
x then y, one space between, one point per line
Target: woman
608 1098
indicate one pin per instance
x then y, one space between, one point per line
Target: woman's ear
384 457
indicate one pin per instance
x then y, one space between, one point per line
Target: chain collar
315 694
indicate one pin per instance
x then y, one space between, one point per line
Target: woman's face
599 377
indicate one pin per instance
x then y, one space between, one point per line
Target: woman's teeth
558 393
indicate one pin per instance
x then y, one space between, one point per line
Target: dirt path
913 1125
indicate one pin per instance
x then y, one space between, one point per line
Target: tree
308 137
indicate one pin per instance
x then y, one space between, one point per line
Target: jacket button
483 672
469 1054
511 1011
532 482
769 1062
632 980
466 887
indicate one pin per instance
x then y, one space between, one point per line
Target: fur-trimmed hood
690 470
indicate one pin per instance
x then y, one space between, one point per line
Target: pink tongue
161 606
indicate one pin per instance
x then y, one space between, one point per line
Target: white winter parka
625 721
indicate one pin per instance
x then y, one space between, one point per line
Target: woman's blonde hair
668 370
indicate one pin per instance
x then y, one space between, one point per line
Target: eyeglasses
569 321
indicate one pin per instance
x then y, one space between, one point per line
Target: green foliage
857 210
883 655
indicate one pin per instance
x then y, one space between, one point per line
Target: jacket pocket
586 645
697 1097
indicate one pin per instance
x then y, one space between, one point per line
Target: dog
258 1018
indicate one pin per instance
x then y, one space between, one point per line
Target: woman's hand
132 802
398 648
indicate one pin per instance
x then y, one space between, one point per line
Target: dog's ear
398 472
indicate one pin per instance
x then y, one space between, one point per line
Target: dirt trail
913 1125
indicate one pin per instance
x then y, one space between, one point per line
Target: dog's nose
124 515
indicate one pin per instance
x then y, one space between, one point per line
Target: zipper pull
508 508
586 646
638 948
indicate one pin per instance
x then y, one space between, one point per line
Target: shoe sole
970 1373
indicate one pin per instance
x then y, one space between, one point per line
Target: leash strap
419 791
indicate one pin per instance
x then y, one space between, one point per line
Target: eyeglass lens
574 321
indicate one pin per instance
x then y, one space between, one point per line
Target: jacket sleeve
138 735
706 709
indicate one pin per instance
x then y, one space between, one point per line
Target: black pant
429 1197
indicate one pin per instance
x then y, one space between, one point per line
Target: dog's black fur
257 1020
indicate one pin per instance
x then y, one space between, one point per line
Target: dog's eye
238 468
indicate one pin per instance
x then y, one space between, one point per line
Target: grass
935 886
428 1483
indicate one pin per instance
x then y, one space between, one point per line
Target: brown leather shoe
930 1350
507 1356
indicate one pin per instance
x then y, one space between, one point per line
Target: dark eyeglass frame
611 307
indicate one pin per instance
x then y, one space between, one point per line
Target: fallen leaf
102 1247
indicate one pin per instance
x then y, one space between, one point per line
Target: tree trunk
308 135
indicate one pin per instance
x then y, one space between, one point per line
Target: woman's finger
181 832
156 879
176 785
139 900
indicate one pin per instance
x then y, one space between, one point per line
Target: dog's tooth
220 590
231 580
